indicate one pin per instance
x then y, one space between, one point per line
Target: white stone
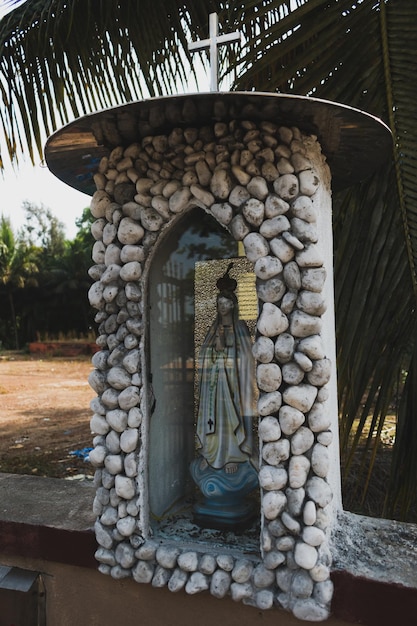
287 186
98 252
99 425
95 295
295 500
284 347
129 397
125 487
131 362
113 463
131 470
258 187
320 372
241 591
288 302
309 182
110 292
267 267
239 194
312 346
178 580
272 478
207 564
303 361
302 324
99 203
309 513
97 456
298 469
268 429
196 583
179 200
222 212
263 577
274 226
166 556
325 438
110 398
285 544
268 376
290 523
97 228
300 396
302 585
188 561
253 211
269 403
133 292
271 290
302 440
292 240
118 378
313 279
275 452
255 246
319 417
220 584
143 572
311 302
323 592
112 254
134 417
131 253
272 321
320 572
263 349
239 228
126 527
129 440
264 599
117 419
130 231
202 195
103 536
320 460
282 250
319 491
304 231
304 209
313 536
292 276
308 610
242 571
225 562
290 419
97 381
305 555
310 256
274 205
131 271
113 442
221 184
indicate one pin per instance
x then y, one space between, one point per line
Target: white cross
211 43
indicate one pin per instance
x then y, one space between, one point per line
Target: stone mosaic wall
265 183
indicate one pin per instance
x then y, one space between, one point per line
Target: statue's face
224 305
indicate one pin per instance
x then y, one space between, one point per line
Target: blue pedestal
225 504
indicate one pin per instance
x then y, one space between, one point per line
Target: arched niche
182 276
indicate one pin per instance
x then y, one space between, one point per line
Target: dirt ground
45 415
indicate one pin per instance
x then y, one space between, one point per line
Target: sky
37 185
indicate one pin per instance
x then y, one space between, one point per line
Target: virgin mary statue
226 404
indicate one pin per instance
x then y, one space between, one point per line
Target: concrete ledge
374 560
380 550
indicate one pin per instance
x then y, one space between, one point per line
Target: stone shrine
261 167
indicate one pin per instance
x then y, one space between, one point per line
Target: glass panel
197 237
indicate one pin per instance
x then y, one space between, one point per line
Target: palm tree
17 268
64 59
